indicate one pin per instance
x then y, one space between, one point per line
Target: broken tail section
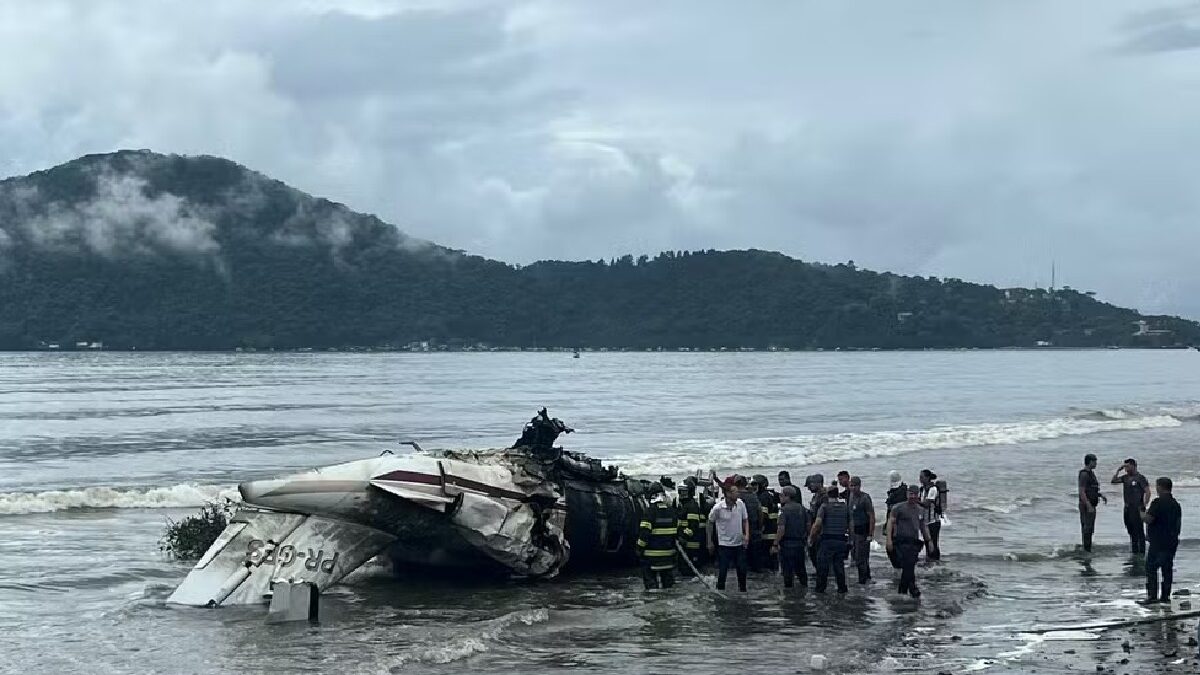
259 547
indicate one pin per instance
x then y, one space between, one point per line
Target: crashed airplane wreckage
528 511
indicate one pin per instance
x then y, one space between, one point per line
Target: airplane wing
259 547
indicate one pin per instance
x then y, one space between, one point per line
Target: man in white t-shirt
729 535
929 500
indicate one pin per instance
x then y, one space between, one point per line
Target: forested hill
140 250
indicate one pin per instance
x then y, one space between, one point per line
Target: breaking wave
1184 411
175 496
476 640
685 456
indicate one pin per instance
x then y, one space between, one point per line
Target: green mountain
141 250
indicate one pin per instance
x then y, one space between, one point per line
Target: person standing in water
929 500
1136 491
830 534
1089 498
906 523
1163 519
729 536
862 522
794 526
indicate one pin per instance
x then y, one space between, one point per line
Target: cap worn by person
894 479
761 480
789 491
856 481
914 490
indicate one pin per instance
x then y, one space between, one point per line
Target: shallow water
96 450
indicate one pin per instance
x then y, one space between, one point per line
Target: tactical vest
835 522
656 537
1091 486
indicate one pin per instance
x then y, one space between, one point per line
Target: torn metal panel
265 546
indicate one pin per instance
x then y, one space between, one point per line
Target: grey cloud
973 140
1163 29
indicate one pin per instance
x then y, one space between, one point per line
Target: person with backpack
932 500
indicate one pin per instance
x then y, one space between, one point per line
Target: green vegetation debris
190 537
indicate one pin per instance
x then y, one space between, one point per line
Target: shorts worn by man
729 536
1163 519
905 530
790 537
1136 490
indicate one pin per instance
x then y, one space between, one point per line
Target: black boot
1087 543
1165 596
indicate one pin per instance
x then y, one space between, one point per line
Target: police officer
790 538
770 511
754 516
832 528
657 533
691 519
816 485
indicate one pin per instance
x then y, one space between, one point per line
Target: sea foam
174 496
686 456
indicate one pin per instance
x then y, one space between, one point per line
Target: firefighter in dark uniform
770 520
705 503
693 524
657 533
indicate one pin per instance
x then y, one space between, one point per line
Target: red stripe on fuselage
458 481
410 477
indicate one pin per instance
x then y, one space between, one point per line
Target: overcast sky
974 139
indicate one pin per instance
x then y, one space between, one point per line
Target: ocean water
98 450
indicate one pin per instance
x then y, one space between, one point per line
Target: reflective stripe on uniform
665 530
659 554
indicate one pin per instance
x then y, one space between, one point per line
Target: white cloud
975 140
120 219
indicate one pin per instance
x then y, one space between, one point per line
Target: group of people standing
743 524
1158 522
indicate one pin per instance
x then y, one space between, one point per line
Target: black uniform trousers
792 563
1136 529
657 578
1087 524
1160 556
831 554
